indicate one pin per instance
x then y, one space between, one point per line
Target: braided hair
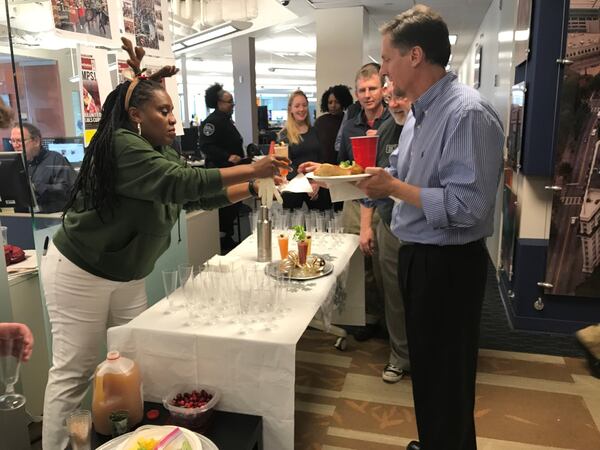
97 177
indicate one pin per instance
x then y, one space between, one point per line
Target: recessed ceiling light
453 38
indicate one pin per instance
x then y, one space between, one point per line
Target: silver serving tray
272 269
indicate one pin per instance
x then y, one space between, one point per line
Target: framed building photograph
515 126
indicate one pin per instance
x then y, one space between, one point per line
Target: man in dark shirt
51 174
381 243
372 113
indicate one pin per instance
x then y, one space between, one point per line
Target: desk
27 307
256 371
228 431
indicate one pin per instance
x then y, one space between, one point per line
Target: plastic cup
302 252
364 149
79 427
282 150
119 422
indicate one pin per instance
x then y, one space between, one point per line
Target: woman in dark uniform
221 144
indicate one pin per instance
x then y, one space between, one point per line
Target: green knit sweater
151 185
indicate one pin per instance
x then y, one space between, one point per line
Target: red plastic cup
364 149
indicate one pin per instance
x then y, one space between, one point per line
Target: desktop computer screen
15 189
71 148
190 145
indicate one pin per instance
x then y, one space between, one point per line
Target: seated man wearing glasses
51 174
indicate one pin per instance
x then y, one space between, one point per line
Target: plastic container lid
115 363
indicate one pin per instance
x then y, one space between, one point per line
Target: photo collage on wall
103 22
144 24
82 16
573 261
148 24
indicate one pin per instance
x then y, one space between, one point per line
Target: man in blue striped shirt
445 174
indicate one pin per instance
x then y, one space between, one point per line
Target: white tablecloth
255 371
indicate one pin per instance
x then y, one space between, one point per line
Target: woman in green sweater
129 193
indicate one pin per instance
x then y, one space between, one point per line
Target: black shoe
413 445
365 333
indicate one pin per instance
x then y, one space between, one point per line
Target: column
342 35
185 107
244 85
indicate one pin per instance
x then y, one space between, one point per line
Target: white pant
80 306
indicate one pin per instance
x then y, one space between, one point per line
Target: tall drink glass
281 149
11 351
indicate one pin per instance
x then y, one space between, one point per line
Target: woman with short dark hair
334 102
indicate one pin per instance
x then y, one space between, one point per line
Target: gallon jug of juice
117 387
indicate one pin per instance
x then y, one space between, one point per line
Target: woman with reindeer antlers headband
127 197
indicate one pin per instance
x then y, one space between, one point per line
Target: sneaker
392 374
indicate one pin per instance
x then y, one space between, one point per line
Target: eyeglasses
228 101
19 141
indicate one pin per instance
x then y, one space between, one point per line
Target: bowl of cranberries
191 407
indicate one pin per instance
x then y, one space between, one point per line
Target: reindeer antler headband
135 59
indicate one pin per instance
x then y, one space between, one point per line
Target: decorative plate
272 270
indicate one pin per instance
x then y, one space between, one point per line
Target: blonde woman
304 146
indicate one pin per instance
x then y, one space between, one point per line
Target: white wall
340 33
497 74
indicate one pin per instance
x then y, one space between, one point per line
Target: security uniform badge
208 129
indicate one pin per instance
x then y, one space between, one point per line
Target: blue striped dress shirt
451 147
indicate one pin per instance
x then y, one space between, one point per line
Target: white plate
341 178
197 441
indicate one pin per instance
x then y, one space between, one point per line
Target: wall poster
93 21
573 261
94 84
103 22
143 23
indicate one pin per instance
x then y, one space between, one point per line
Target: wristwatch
252 188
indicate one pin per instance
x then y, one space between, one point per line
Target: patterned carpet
496 332
524 401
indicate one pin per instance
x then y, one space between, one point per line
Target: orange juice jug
117 387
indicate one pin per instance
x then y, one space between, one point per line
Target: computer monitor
6 145
15 188
190 144
263 117
71 148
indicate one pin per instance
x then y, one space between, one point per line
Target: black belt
468 244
